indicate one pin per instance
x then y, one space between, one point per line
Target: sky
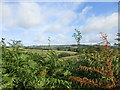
34 22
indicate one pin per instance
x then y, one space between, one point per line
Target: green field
43 52
46 51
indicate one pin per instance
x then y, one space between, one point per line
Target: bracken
107 70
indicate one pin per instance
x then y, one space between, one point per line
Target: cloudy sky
34 22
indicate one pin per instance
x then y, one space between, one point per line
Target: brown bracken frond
89 68
105 40
105 56
84 80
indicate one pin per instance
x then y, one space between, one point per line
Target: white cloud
100 23
6 10
62 39
67 17
95 25
29 15
56 39
0 18
41 39
93 38
41 20
7 16
82 15
25 15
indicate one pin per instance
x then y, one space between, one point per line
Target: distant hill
72 47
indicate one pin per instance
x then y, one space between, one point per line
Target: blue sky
34 22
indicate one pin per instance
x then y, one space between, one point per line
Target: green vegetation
77 35
118 40
47 69
63 55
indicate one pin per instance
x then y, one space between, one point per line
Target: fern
105 67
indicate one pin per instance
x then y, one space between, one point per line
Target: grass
69 57
46 51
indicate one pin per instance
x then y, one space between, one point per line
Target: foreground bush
104 62
26 70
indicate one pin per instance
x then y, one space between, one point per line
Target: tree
77 35
15 44
118 39
49 41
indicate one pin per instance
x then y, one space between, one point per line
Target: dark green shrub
63 55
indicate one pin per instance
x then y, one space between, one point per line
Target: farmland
46 51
